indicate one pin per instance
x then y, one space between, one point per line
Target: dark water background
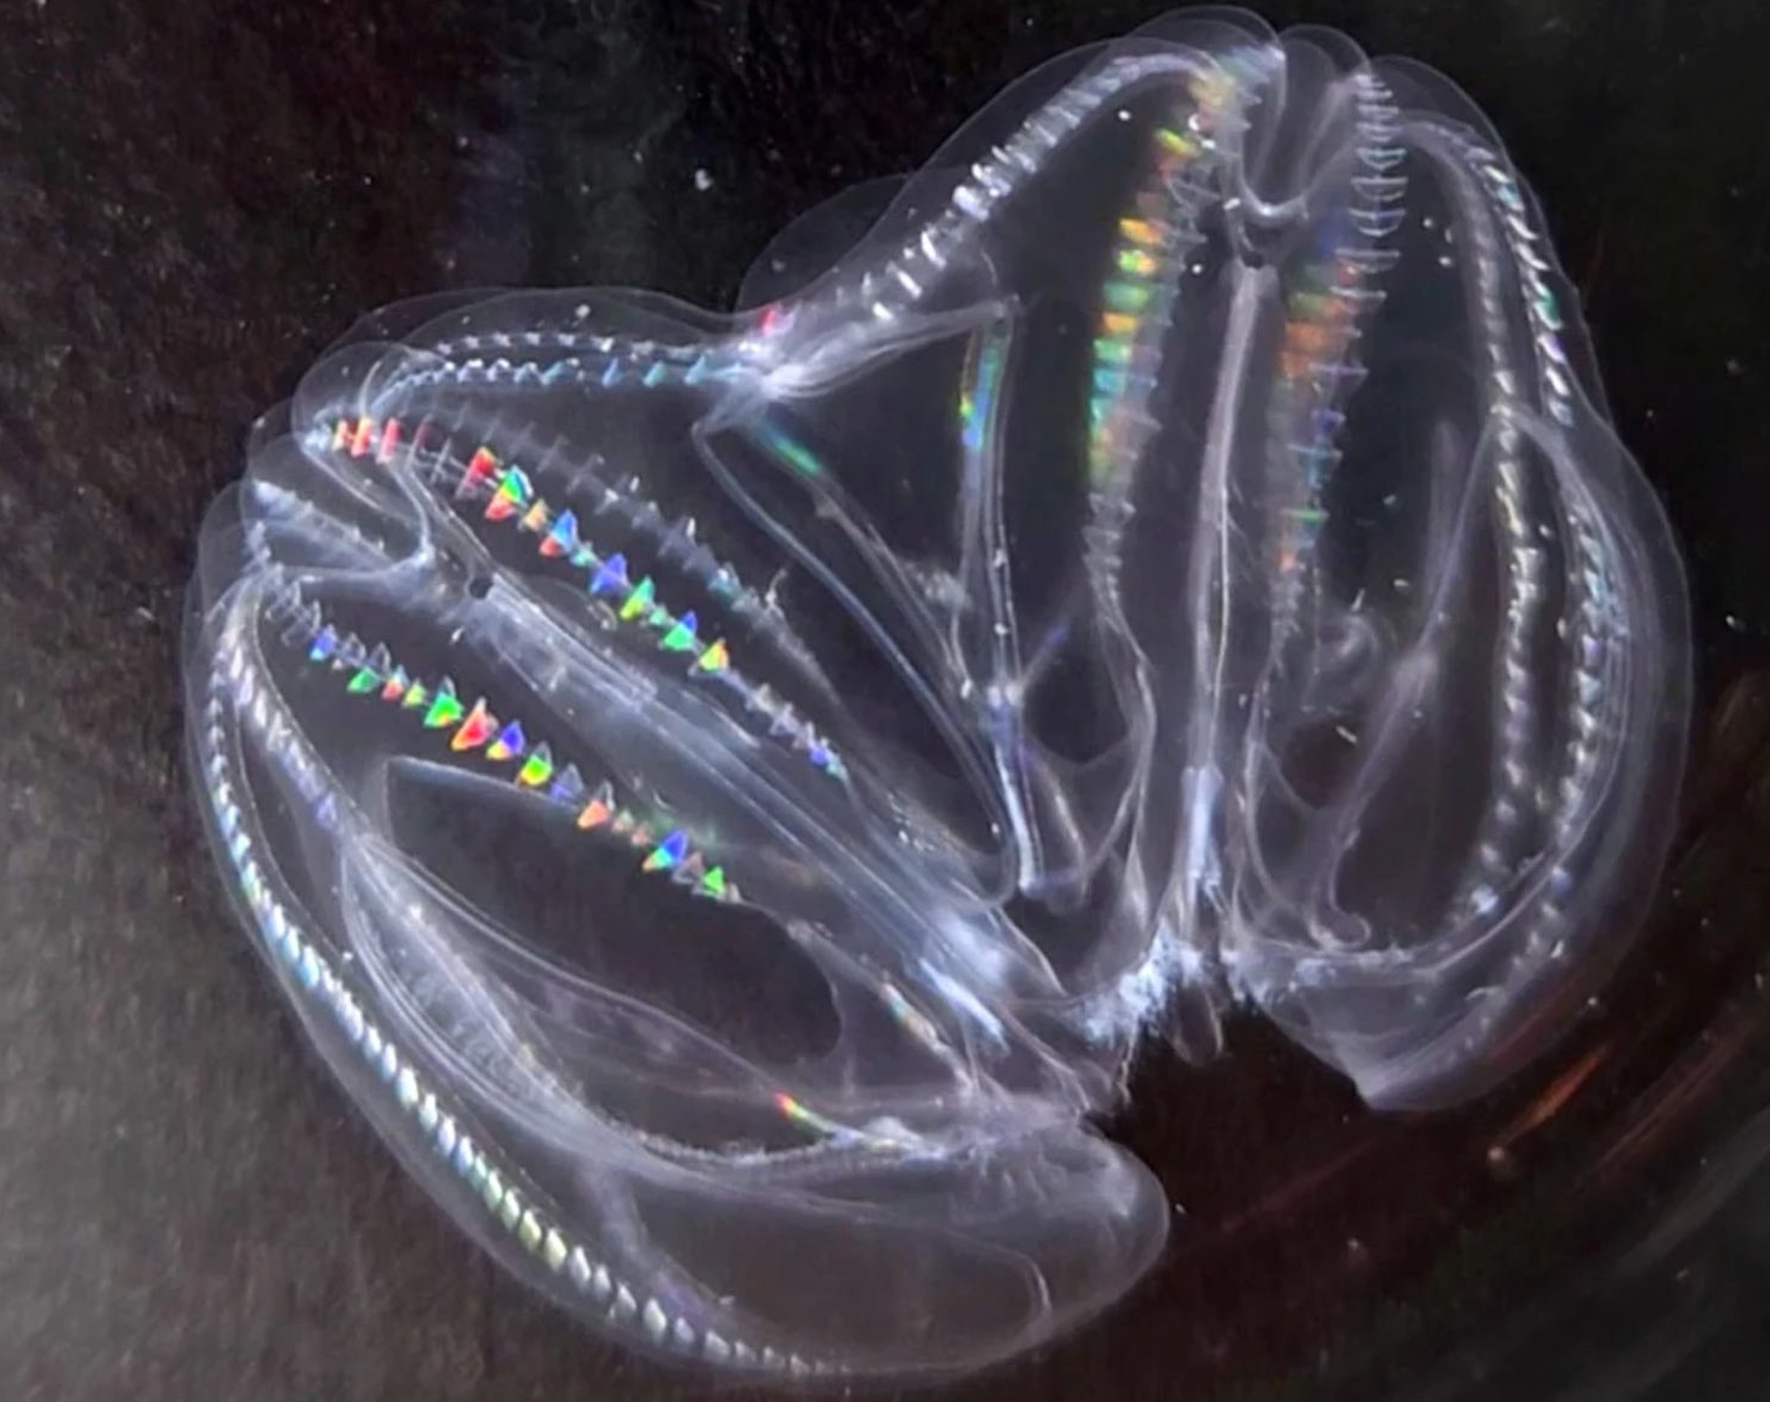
197 195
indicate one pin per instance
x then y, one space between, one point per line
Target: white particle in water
703 179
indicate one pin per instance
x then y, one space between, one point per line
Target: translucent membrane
728 793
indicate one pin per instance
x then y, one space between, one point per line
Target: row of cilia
1138 297
510 495
372 672
1325 300
236 687
1590 626
1137 307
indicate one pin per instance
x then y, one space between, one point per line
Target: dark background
197 195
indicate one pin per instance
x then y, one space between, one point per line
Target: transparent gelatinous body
730 791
